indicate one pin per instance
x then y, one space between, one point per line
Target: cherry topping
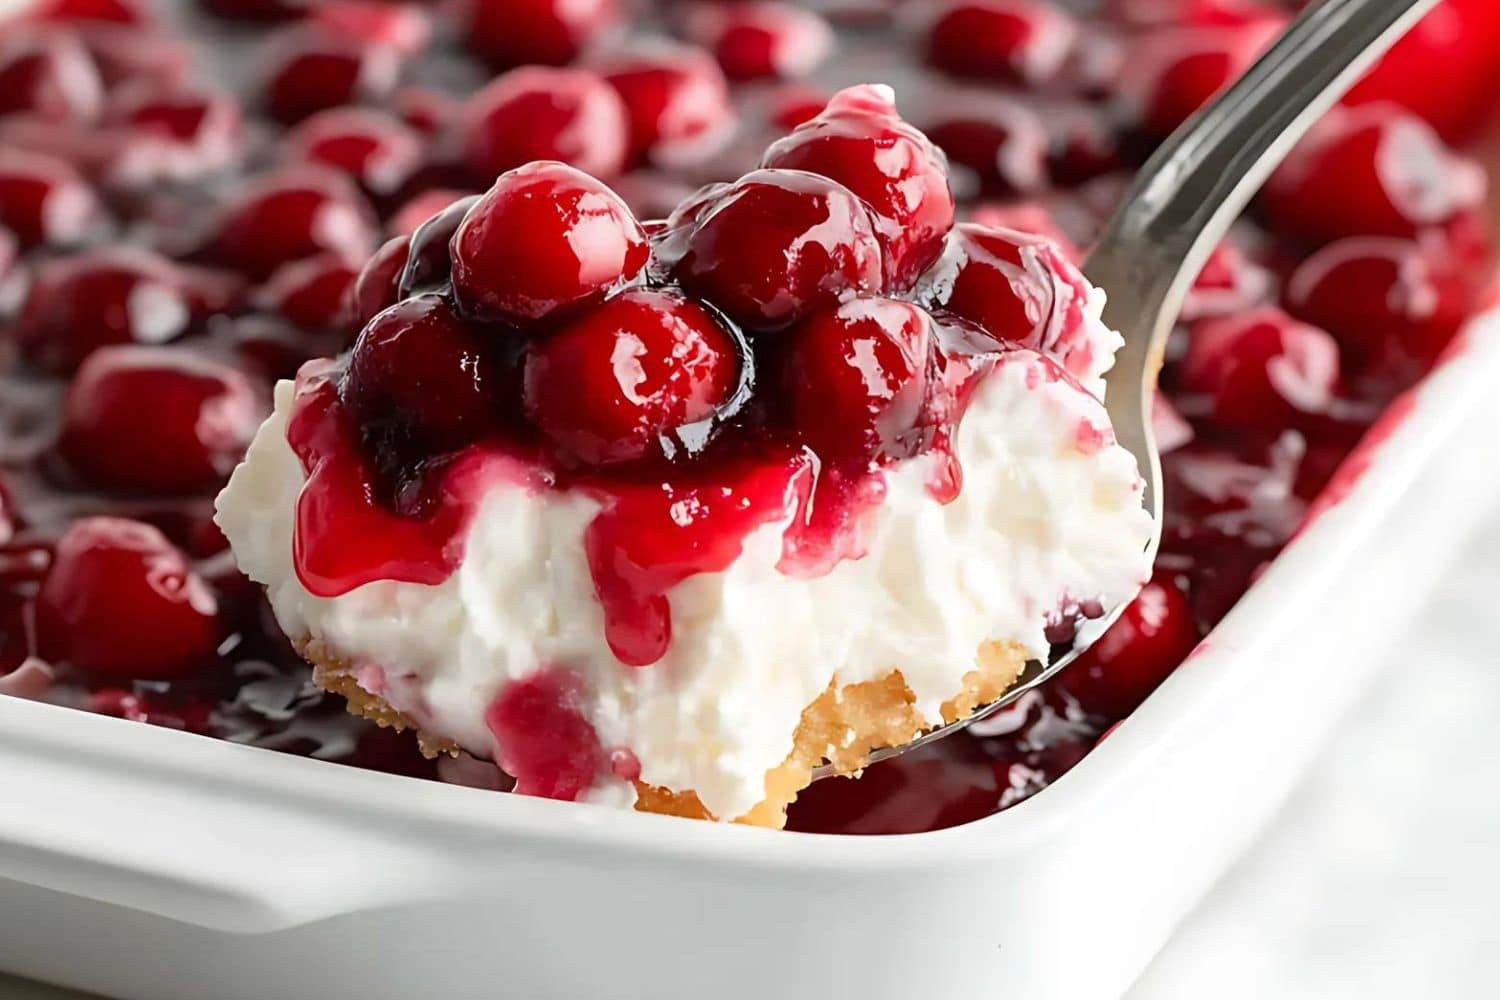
543 738
860 141
1381 294
312 293
379 283
1152 637
50 75
538 113
777 244
855 377
1261 369
676 97
111 295
1001 140
422 380
198 416
43 200
762 40
626 380
1014 40
1016 286
374 149
289 214
311 69
1371 170
429 264
510 33
121 601
545 237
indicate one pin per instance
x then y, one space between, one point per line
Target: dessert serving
696 421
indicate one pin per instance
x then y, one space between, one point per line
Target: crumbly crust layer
841 727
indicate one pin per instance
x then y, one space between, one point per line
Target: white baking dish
143 862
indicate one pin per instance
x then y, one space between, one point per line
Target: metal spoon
1179 208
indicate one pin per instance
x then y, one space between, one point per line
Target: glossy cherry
373 148
1261 369
1020 41
1149 641
676 97
407 219
1001 140
99 298
378 285
197 414
421 380
861 141
309 69
122 602
429 259
778 244
1373 170
509 33
618 383
762 39
544 238
855 378
289 214
50 75
539 113
44 201
1171 72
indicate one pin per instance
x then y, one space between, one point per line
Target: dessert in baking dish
671 520
170 250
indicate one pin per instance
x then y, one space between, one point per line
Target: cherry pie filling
161 264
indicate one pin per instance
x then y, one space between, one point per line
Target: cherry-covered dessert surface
169 249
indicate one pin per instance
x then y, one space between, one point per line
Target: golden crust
841 727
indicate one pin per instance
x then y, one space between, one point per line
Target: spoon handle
1187 195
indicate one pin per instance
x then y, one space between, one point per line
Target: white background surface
1381 877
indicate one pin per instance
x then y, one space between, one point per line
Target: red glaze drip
543 739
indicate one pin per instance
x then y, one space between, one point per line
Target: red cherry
762 40
1029 217
378 285
542 737
1171 72
428 111
1229 283
778 244
794 104
312 293
372 148
617 384
44 201
855 377
1374 170
407 219
1014 40
1261 369
422 377
429 260
403 28
539 113
176 134
1001 140
292 213
507 33
546 237
310 69
50 75
860 141
1379 294
198 416
128 12
1018 287
121 601
1153 636
102 297
676 98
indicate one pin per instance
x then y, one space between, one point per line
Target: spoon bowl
1178 209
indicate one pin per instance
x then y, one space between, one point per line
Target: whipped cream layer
1049 518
